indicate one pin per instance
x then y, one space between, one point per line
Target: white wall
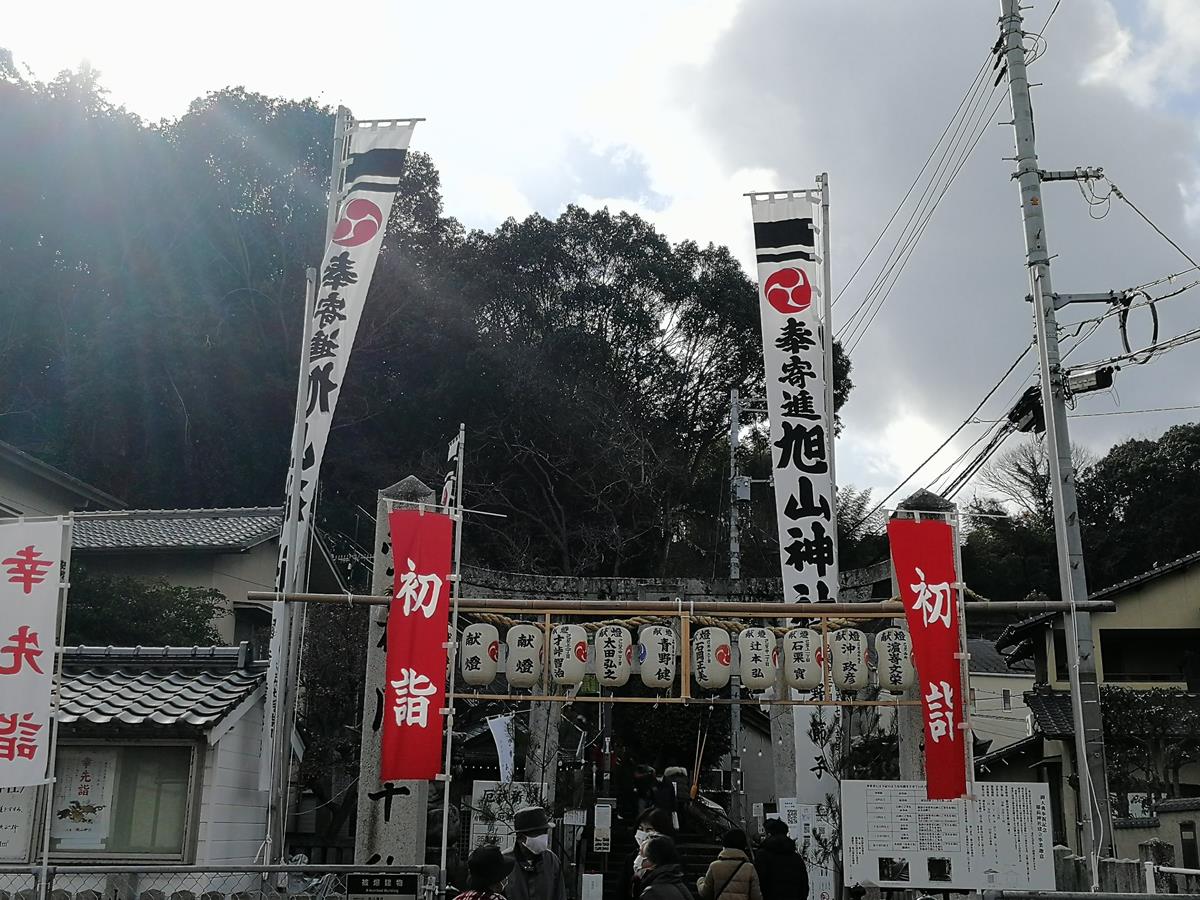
233 812
989 719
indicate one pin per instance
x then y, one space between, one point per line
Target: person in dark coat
781 869
537 873
662 872
489 869
651 822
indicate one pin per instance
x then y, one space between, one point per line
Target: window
114 800
1006 698
1146 654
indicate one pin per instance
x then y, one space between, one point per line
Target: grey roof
227 530
987 660
1157 572
1031 744
1180 804
155 686
1052 711
20 458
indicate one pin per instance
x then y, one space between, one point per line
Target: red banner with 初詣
923 560
416 646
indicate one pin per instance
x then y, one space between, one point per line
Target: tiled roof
1181 804
1052 711
987 660
1013 635
1157 572
156 686
997 758
229 530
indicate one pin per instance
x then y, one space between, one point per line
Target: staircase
695 851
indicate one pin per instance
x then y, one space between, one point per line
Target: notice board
999 838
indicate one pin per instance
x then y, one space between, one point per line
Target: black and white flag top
372 171
793 330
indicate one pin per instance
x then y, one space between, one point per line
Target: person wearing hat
781 869
489 868
537 873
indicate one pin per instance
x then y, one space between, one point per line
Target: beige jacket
733 875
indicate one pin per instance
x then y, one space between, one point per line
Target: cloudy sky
674 109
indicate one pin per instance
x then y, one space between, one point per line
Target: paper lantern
893 649
802 659
478 654
848 649
523 667
756 648
711 658
656 656
614 655
568 654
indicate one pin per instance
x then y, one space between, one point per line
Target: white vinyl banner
31 555
791 308
504 733
83 797
373 167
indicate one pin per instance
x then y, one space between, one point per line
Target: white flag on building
31 555
791 307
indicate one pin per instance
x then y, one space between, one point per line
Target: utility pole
1092 778
737 812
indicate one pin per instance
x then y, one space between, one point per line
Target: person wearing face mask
650 823
489 869
537 873
662 874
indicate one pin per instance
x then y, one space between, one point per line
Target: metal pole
827 345
735 574
452 643
52 756
1085 694
341 128
968 734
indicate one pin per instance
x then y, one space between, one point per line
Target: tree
1139 505
1020 476
1149 737
104 610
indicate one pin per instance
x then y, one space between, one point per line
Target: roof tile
185 530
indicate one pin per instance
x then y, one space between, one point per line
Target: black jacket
781 869
664 883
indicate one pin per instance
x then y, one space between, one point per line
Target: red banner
923 560
416 646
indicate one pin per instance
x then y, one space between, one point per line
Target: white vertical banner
504 730
372 168
31 555
801 427
83 797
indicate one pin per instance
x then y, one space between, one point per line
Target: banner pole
827 341
452 646
280 740
52 757
964 702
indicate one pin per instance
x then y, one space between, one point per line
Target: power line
912 245
952 436
916 180
1145 218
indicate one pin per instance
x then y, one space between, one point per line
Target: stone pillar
783 741
392 815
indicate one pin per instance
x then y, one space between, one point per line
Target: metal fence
213 882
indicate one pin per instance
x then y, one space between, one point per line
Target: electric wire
1145 218
878 506
915 181
882 294
969 103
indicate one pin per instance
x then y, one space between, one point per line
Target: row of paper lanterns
760 656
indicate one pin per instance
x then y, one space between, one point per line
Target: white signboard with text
16 823
31 555
997 839
493 806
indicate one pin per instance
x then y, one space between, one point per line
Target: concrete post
391 816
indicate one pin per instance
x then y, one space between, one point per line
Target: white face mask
639 863
538 843
641 836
